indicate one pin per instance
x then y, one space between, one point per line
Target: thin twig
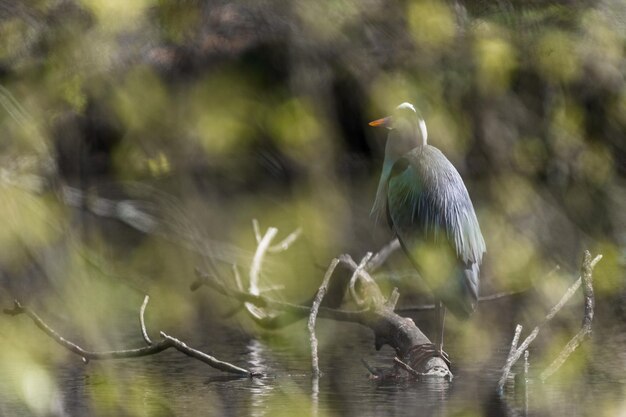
486 298
142 321
512 351
393 299
585 331
407 368
237 275
208 359
483 299
286 242
371 287
526 366
355 276
298 310
371 370
165 343
515 341
257 230
257 260
255 271
73 347
526 381
319 296
381 256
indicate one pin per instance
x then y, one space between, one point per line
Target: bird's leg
440 313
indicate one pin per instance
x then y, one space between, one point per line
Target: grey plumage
441 206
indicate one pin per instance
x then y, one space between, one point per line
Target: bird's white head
408 124
408 106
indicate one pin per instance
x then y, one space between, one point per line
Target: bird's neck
401 142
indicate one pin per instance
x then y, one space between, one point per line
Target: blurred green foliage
202 115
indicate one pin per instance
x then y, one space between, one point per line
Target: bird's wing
428 201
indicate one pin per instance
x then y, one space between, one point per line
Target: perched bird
428 208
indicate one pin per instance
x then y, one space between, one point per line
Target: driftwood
516 352
166 342
416 355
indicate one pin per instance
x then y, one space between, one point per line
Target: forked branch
516 352
411 345
585 331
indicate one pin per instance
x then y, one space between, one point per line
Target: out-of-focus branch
286 242
297 310
142 321
371 290
165 343
255 268
355 277
264 246
483 299
381 256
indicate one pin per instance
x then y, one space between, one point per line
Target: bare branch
407 368
142 311
553 311
526 380
312 317
286 242
515 341
237 275
166 343
257 260
500 295
208 359
485 298
373 371
257 230
512 352
585 331
381 256
371 289
255 271
516 355
526 365
297 310
393 299
356 275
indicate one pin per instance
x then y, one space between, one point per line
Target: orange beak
384 122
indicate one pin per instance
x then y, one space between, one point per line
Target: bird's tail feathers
461 294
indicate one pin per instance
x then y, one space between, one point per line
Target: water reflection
260 389
172 384
429 398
